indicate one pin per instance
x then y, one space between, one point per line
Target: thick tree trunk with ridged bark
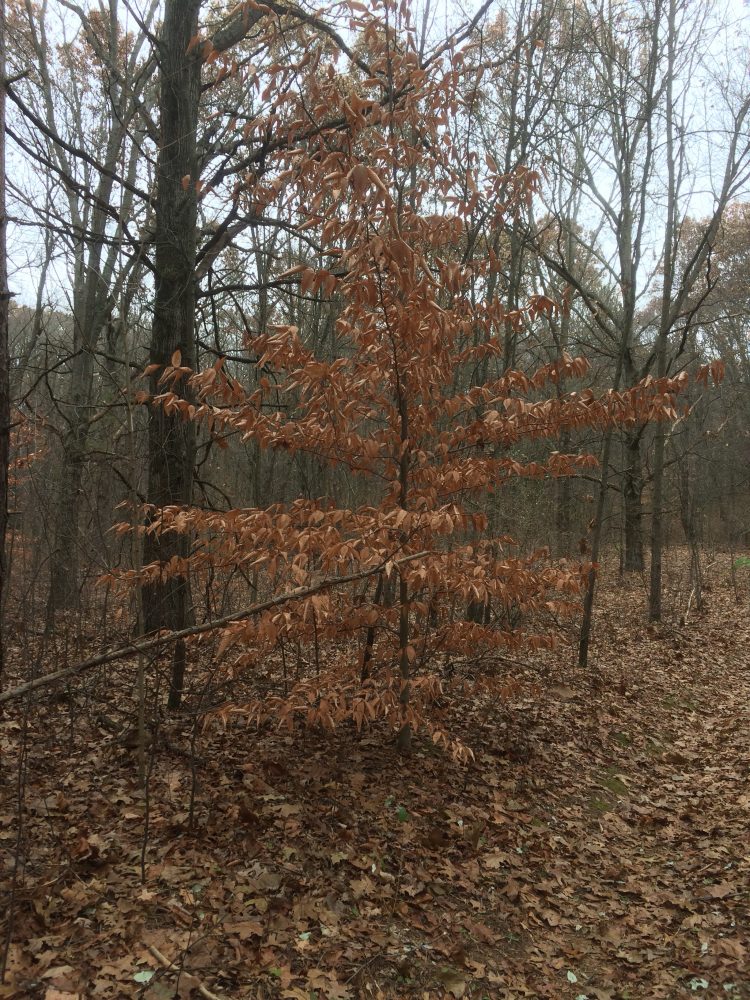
171 439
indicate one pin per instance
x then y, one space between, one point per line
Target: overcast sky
731 49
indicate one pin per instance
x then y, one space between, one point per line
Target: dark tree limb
165 639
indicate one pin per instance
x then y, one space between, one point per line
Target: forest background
565 148
351 343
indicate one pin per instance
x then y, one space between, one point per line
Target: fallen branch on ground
174 967
164 638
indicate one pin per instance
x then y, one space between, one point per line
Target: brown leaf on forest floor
720 891
454 983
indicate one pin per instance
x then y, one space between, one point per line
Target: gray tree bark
171 439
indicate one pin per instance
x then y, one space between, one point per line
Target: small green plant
402 814
742 562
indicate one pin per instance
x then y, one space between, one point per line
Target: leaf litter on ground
596 847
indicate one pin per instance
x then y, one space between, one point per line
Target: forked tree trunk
171 439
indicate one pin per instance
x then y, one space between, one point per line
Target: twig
171 967
687 610
163 639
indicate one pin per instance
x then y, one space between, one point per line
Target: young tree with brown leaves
184 50
391 200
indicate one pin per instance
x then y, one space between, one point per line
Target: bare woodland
374 421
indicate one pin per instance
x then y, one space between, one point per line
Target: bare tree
89 86
640 64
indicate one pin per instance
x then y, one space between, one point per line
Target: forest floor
597 847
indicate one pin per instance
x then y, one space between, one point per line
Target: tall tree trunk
657 500
690 527
4 360
596 540
99 272
64 564
171 439
670 235
563 487
632 496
